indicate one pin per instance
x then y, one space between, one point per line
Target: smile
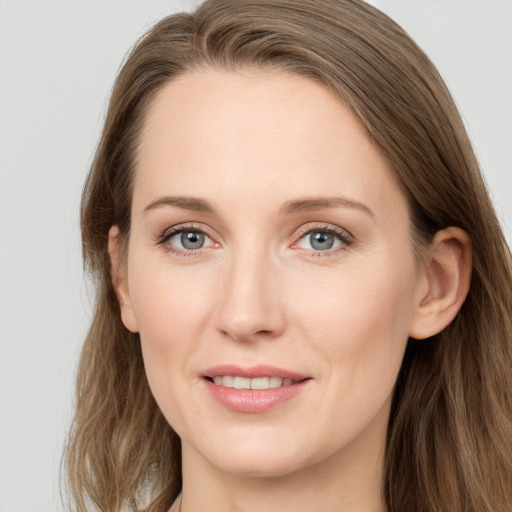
237 382
253 390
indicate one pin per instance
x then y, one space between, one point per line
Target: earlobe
447 274
120 281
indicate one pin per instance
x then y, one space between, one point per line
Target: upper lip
252 372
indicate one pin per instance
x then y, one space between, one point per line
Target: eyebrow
288 208
186 203
319 203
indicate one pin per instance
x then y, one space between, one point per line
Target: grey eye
189 240
321 241
192 240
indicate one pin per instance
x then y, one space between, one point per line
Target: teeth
260 383
227 381
241 383
230 381
275 382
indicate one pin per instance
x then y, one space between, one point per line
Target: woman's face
269 248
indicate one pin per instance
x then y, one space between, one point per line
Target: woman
304 294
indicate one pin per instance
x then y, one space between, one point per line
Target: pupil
192 240
321 241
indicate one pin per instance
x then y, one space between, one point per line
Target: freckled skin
257 293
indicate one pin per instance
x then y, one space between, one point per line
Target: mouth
238 382
254 389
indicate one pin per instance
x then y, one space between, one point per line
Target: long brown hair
449 445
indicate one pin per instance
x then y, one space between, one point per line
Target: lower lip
253 400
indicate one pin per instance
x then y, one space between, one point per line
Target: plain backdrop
57 64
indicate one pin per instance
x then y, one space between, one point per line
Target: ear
445 282
120 280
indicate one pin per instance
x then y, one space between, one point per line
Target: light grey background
57 64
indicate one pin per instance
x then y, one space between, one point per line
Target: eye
185 240
189 240
323 239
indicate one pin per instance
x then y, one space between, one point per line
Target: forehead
256 130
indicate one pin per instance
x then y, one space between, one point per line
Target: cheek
360 315
360 295
356 322
171 311
167 300
171 306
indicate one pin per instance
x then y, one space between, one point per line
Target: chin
268 466
256 456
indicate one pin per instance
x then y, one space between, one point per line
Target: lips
254 389
253 372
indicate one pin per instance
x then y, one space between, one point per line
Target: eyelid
185 226
319 226
346 238
163 238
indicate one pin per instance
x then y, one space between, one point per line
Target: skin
257 292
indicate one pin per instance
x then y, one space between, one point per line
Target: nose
250 306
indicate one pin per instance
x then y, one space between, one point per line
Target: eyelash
176 230
345 238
